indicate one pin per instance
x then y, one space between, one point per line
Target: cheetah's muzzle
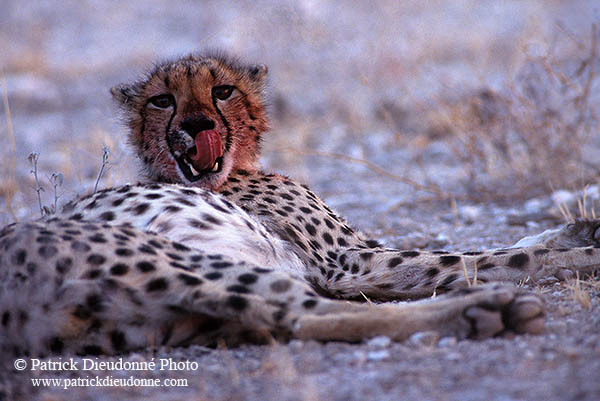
206 157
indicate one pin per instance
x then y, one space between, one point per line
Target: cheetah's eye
162 101
223 92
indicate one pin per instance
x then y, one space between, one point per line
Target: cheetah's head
196 119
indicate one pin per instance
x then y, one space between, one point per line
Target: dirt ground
456 125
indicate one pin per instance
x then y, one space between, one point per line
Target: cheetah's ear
258 73
124 94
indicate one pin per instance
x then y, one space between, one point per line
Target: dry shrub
531 137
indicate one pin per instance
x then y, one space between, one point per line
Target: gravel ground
347 78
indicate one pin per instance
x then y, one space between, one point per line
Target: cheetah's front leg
478 312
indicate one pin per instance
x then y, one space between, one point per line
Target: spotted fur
239 255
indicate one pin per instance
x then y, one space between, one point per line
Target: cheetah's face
195 120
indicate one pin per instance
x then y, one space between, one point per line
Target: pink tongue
208 149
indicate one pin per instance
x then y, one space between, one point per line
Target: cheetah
210 248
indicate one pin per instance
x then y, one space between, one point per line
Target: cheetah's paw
500 309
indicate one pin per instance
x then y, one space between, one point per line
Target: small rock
548 281
447 342
564 274
535 205
571 321
424 338
442 238
593 192
563 197
439 241
379 342
359 356
470 213
378 355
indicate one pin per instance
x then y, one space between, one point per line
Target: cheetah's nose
194 125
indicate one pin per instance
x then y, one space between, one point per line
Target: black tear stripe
143 114
229 137
169 127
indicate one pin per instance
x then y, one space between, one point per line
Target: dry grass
583 207
521 141
586 211
466 273
530 137
105 154
582 290
8 185
366 298
33 160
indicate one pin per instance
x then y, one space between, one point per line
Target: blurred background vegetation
385 100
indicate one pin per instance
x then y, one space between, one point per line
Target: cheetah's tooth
216 166
194 171
191 167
